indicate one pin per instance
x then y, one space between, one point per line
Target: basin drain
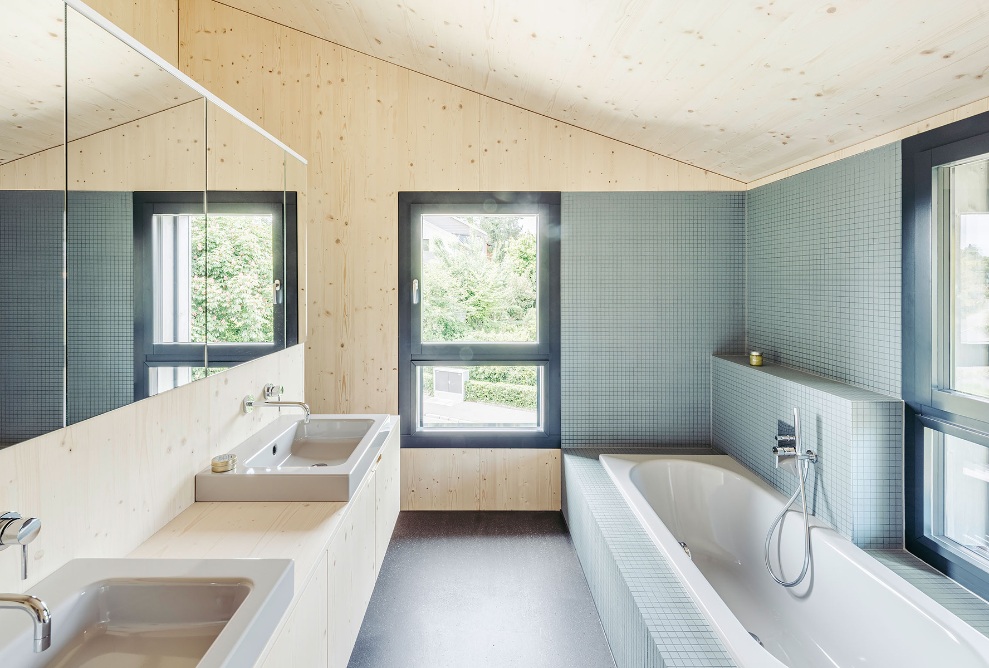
756 638
319 464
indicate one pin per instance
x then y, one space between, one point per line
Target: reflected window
215 283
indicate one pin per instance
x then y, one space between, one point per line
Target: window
211 290
479 319
946 348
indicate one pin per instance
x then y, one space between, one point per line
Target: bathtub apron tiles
650 619
857 433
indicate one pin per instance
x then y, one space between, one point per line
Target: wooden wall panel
153 23
480 479
373 130
105 485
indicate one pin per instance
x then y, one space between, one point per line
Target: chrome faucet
787 446
272 397
39 614
16 530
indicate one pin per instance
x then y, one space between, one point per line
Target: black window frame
147 354
926 405
546 353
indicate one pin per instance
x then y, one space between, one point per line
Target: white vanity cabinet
322 627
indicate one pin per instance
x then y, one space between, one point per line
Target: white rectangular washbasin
291 460
166 613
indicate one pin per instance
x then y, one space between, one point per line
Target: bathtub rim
744 650
703 594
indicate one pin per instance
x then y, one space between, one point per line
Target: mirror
146 238
134 131
32 170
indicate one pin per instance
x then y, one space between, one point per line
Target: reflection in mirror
296 186
135 131
115 285
250 278
32 168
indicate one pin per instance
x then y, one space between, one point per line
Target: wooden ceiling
108 83
744 88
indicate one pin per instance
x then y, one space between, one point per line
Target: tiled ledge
857 434
810 380
968 607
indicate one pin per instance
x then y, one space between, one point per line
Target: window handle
415 290
278 291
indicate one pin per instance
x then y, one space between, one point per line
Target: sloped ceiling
105 84
744 88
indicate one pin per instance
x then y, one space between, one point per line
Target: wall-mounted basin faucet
39 614
17 530
272 397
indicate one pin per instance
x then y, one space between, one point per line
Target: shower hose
803 467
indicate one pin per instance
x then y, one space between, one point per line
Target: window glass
239 278
961 493
458 397
175 301
965 229
479 278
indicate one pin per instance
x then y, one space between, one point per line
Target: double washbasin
166 613
322 459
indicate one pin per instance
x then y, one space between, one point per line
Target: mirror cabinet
149 234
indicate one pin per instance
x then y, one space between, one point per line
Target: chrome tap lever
16 530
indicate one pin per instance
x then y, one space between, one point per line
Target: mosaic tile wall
649 618
99 303
823 256
857 433
651 285
31 307
100 328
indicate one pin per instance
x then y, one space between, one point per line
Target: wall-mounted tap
39 614
787 448
17 530
272 397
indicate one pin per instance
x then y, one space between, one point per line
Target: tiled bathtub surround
823 270
858 435
651 285
649 618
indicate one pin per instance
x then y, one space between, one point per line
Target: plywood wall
153 23
105 485
371 129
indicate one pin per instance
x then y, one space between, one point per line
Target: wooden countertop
259 530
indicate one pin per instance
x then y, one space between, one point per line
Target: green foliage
482 290
428 383
232 279
514 375
505 394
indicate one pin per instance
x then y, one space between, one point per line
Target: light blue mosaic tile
857 434
649 618
823 270
651 285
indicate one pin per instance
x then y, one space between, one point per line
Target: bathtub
849 611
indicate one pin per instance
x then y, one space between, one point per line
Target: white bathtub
849 611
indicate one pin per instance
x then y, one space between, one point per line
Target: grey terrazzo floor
481 589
